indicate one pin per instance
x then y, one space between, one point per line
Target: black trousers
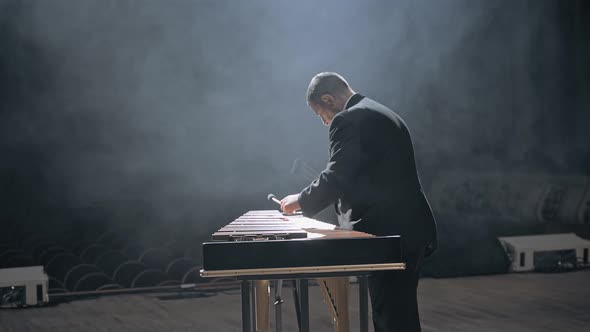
394 296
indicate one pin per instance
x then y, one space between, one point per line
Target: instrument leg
363 303
246 312
304 303
297 305
253 304
278 306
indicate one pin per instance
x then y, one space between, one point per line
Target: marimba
267 245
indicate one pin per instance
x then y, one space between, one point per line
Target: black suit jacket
372 171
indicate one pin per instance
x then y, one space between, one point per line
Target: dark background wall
187 113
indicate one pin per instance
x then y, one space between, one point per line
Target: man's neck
348 96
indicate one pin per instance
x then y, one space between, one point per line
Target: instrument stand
301 293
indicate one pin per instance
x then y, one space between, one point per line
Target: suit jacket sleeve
346 162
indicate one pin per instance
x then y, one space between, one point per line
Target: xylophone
268 245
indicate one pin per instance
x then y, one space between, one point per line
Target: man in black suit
372 180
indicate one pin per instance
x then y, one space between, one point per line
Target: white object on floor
521 249
32 278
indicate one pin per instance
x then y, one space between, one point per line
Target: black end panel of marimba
300 253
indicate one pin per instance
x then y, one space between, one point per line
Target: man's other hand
290 204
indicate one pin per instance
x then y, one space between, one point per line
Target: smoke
187 109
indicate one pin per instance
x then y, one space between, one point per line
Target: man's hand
290 204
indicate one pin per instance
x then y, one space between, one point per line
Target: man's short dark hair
326 83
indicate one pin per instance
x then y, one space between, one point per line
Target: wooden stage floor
509 302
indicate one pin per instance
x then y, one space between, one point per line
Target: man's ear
328 100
